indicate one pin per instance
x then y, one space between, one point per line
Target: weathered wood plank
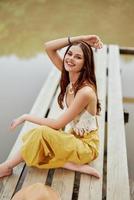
117 169
40 108
36 175
127 50
63 180
91 188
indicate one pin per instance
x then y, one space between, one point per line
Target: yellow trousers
46 148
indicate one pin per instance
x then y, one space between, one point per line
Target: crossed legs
6 168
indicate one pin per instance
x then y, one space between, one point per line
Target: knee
43 131
42 128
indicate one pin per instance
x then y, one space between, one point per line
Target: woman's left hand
93 40
79 131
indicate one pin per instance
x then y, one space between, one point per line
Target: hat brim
37 191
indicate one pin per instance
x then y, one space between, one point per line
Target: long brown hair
87 74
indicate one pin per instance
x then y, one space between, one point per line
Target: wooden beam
90 188
128 100
117 169
126 50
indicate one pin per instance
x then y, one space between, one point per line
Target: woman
48 146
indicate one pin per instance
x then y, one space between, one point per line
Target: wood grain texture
117 169
91 188
63 180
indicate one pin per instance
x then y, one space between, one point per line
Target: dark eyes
76 56
68 53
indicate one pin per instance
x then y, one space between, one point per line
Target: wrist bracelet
69 41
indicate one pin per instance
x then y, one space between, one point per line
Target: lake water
26 25
20 83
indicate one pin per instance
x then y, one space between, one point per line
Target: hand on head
93 41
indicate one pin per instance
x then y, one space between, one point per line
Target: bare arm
53 46
81 100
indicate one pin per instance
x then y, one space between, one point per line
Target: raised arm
53 46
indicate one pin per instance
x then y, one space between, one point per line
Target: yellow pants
46 148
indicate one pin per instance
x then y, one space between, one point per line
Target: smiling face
74 59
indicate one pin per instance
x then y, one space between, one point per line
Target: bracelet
69 41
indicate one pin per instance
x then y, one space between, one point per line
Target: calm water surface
26 25
20 83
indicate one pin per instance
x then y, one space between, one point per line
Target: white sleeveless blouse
84 121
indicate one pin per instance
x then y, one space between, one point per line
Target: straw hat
37 191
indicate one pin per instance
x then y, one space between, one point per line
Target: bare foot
5 170
89 170
82 168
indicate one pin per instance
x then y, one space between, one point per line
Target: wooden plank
127 50
33 174
90 187
40 108
117 169
63 180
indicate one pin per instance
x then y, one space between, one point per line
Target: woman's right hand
93 41
16 122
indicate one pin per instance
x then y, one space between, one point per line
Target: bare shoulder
87 92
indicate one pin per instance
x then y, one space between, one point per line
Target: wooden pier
112 160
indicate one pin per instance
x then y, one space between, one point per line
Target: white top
84 121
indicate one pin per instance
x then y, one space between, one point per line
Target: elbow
49 47
58 125
46 46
